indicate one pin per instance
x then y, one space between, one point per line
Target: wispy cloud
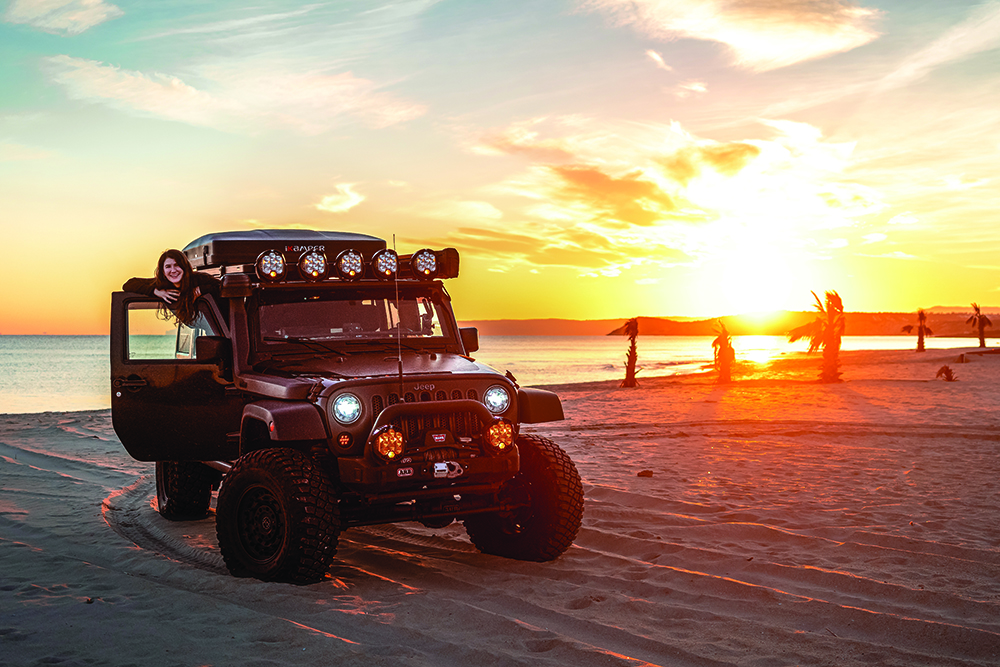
691 88
13 152
70 17
344 200
586 249
959 182
979 32
903 219
239 98
658 59
466 211
761 34
525 138
236 25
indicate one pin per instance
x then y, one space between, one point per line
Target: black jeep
330 387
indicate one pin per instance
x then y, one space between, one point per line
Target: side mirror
470 339
209 349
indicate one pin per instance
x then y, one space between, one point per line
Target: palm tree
632 331
980 321
922 329
825 331
722 346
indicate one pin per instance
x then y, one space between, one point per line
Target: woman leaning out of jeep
177 285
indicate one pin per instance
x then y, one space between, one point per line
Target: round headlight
350 265
270 266
386 263
424 263
347 408
497 399
313 266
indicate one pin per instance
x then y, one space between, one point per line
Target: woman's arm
206 284
140 286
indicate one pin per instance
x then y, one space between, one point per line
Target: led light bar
313 266
350 265
424 263
270 266
385 264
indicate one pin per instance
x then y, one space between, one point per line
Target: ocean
69 373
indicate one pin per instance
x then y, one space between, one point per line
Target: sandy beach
781 522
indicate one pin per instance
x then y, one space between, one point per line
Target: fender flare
286 421
538 405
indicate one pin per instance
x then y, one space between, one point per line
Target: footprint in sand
584 602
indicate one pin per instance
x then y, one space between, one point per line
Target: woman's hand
167 295
197 292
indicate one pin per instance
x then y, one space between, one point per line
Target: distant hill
551 327
944 323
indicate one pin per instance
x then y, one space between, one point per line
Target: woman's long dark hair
183 309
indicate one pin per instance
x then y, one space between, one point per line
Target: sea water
68 373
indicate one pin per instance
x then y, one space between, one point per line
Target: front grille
461 424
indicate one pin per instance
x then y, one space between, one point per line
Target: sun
757 280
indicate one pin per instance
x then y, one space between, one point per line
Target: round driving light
313 266
497 399
385 263
500 435
389 443
347 408
270 266
350 265
424 263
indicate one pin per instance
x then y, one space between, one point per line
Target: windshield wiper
307 341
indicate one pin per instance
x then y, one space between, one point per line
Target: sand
784 523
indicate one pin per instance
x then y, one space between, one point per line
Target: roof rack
273 256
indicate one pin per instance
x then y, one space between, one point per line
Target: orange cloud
578 247
629 199
726 159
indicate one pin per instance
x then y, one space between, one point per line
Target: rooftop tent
229 248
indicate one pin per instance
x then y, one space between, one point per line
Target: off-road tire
550 484
277 517
184 489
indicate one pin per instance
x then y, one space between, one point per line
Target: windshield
353 315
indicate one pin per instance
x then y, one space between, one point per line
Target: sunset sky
589 158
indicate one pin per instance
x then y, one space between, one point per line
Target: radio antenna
399 320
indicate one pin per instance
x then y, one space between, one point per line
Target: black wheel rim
260 524
516 492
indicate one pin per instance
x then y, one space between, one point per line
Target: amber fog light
500 435
389 443
270 266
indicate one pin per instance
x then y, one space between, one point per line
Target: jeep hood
376 364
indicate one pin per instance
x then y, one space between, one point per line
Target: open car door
166 404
